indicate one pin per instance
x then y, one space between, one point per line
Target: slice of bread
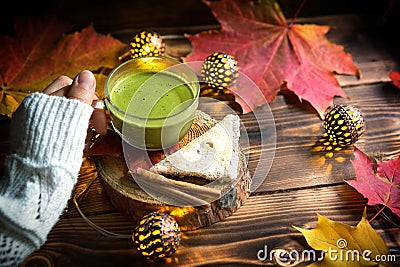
211 156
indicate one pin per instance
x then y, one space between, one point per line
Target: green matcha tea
152 108
151 95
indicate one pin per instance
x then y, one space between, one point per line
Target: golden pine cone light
157 236
220 70
344 124
147 44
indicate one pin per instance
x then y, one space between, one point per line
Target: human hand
82 88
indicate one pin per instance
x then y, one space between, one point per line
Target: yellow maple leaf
345 245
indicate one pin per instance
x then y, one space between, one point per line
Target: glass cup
152 101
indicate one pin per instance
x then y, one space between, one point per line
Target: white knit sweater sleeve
47 138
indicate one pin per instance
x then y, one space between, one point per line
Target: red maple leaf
109 144
395 77
381 185
40 51
275 54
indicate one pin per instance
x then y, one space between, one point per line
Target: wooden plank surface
265 219
303 179
300 158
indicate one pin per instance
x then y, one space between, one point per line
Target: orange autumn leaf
275 54
40 51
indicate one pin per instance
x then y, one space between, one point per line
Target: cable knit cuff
53 128
47 140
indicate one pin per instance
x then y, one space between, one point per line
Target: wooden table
301 182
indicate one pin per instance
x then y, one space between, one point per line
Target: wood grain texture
301 159
265 219
303 179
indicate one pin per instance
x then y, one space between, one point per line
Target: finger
57 84
83 87
98 119
63 91
60 92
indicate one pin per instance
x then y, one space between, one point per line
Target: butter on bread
211 156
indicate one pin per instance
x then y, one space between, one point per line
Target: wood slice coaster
134 202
